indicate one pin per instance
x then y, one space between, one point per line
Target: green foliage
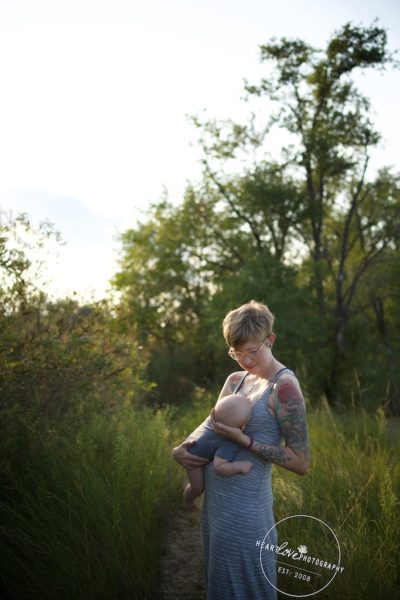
83 508
358 47
56 353
85 468
306 232
354 485
20 270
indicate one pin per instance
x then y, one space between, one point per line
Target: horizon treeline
310 231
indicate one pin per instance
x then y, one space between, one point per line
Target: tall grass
83 507
353 485
82 512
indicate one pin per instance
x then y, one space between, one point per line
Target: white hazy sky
95 97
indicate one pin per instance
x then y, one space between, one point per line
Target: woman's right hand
185 458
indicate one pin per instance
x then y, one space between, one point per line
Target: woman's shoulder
233 380
287 385
236 376
285 374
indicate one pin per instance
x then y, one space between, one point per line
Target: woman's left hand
231 433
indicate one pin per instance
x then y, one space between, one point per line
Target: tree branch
231 203
368 260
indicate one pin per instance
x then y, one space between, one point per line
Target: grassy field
353 485
83 510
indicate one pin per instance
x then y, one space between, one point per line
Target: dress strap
279 373
273 381
270 383
239 385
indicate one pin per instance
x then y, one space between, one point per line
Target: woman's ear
271 339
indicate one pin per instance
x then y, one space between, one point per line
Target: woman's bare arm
290 412
186 459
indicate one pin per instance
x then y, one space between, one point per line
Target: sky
96 96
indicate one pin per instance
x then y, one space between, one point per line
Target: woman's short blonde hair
252 321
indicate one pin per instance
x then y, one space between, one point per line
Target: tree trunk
392 405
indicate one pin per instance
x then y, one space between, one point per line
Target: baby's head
233 410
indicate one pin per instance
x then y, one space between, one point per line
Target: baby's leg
194 488
225 467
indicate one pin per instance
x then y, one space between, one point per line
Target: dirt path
182 564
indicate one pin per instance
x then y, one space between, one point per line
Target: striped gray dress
236 516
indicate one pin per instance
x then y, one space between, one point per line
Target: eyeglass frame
233 354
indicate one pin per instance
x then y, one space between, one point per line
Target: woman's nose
247 359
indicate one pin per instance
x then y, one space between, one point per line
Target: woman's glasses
241 356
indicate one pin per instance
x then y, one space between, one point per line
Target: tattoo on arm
291 414
275 454
233 382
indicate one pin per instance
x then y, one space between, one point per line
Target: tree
58 357
325 201
307 230
22 263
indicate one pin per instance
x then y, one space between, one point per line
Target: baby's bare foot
188 499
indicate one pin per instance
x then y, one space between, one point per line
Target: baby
235 411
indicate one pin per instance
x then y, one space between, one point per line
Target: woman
237 511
